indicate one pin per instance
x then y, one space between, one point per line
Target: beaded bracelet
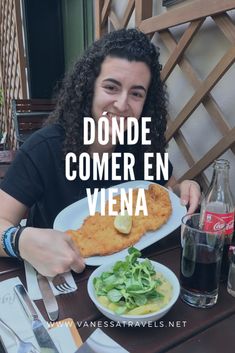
10 241
7 241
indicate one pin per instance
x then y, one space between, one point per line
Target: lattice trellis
194 14
12 62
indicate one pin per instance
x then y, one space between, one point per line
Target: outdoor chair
29 115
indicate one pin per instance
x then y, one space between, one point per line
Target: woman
119 75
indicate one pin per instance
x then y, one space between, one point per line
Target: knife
48 297
42 336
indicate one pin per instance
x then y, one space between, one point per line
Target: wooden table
186 329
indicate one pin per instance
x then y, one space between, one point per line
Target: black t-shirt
37 179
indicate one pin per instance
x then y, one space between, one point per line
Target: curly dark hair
75 98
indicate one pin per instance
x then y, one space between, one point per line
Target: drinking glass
200 261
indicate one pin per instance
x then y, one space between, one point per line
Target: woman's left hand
190 194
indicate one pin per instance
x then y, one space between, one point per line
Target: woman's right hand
50 251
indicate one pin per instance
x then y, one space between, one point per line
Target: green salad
132 287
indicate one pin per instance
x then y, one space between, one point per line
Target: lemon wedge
123 223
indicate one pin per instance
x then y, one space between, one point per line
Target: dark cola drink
200 262
200 273
218 201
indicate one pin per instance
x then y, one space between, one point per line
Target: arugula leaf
114 295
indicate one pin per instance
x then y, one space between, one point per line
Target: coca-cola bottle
218 201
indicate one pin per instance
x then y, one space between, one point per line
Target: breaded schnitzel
98 236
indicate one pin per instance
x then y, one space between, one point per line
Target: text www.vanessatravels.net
103 324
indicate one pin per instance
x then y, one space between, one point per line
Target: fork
61 284
23 346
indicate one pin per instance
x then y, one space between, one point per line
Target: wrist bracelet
10 241
16 241
7 241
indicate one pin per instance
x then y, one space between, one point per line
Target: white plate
167 274
73 216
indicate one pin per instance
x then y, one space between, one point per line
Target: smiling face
120 89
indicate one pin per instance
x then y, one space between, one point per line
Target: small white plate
159 268
73 216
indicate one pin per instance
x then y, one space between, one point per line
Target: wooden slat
29 116
33 105
128 12
184 148
105 11
209 103
215 75
20 48
226 25
186 152
180 48
5 21
143 10
215 112
185 13
8 39
4 45
98 23
215 152
0 21
12 62
114 20
4 82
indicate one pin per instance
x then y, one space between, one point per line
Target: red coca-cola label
212 224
